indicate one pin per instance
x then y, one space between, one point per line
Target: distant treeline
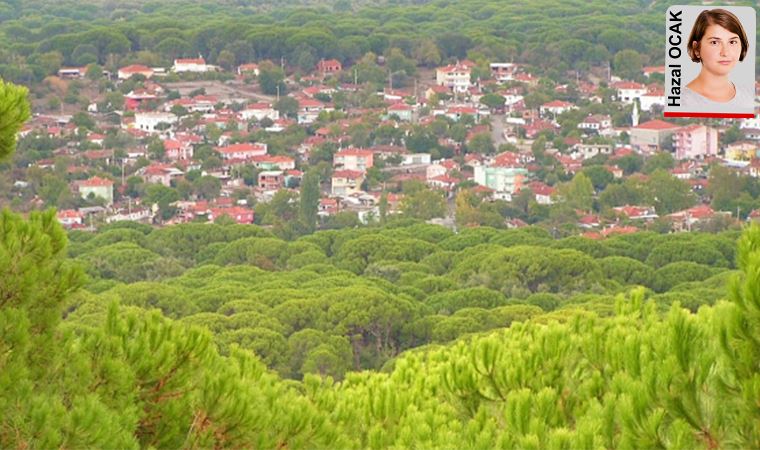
553 36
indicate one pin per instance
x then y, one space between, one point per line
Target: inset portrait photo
710 61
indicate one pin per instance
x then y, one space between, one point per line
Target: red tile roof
135 68
96 181
351 174
657 125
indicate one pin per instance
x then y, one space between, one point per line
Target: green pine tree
14 111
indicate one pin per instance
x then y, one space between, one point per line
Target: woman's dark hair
720 17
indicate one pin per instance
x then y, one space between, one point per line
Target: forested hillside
597 371
554 37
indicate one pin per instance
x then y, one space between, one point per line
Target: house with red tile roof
191 65
596 122
271 180
249 68
653 97
274 162
537 126
309 109
570 164
555 108
328 207
327 66
456 77
589 221
357 159
158 173
628 91
242 152
239 214
650 136
70 218
684 220
128 72
527 78
542 192
98 187
444 182
619 229
646 213
176 149
345 182
402 110
649 70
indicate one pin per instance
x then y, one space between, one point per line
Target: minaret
635 114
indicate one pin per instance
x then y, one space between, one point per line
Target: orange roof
96 181
135 68
171 144
68 214
627 85
354 152
249 66
619 230
657 125
347 174
274 159
557 104
400 107
237 148
690 128
190 61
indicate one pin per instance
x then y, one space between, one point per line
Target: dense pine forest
37 37
258 342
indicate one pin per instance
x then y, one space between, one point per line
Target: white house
455 77
98 187
353 159
346 182
587 151
596 122
258 111
628 91
555 108
135 69
244 151
651 99
415 158
149 121
402 110
191 65
503 71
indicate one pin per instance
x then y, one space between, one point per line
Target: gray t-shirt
743 102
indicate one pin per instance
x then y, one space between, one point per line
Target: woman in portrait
718 42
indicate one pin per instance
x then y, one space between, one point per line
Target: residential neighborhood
156 148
